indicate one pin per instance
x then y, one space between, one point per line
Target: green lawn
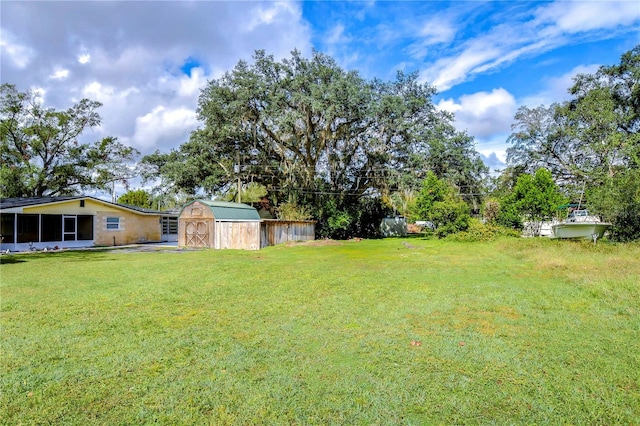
516 331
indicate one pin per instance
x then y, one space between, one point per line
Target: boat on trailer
580 224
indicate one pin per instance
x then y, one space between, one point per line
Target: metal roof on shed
225 210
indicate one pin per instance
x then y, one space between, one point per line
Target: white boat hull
587 231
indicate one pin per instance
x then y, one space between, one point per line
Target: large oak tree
40 151
317 135
590 137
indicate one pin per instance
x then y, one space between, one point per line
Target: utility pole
239 181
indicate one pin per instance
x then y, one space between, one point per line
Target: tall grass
372 332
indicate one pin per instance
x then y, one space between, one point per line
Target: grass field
515 331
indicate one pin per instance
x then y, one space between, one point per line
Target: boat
580 224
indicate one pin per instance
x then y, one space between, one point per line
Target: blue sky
147 61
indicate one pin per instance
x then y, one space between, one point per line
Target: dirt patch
315 243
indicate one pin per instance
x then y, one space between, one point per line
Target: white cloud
98 92
436 30
60 74
84 58
556 89
40 93
19 54
449 71
431 32
550 26
190 86
482 114
493 160
579 16
128 55
336 35
268 13
163 126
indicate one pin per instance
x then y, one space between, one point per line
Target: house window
169 225
113 223
7 224
51 227
28 228
85 227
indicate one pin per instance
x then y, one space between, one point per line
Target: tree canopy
439 203
137 197
591 141
40 153
314 134
535 199
592 136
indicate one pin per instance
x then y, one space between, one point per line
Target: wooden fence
273 231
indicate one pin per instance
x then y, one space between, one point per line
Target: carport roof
224 210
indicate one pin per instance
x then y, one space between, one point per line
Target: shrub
293 211
478 231
439 204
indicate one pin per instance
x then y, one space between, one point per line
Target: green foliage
588 137
479 231
509 215
450 215
402 201
432 191
618 200
339 224
534 199
250 193
590 140
438 203
40 153
491 210
137 197
350 217
293 211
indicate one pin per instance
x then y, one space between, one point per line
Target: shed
274 231
219 225
393 226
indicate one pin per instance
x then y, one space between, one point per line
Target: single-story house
79 221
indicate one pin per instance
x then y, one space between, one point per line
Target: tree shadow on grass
71 255
7 259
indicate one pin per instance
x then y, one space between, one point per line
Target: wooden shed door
197 233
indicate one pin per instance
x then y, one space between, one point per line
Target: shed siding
275 232
238 235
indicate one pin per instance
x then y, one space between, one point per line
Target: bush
450 216
348 218
618 200
478 231
293 211
439 204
